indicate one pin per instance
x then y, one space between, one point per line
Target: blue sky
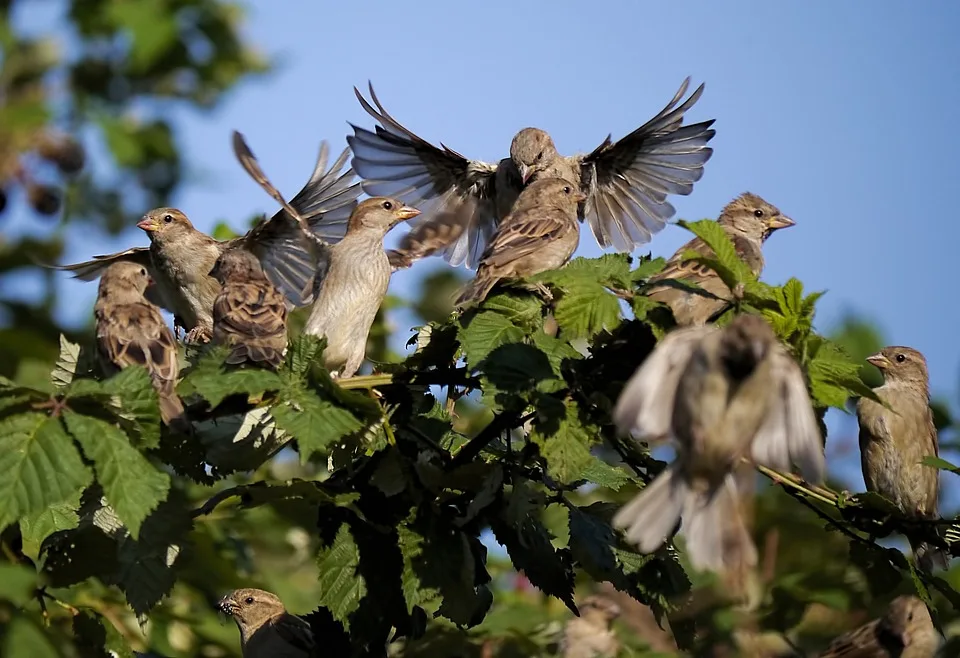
842 114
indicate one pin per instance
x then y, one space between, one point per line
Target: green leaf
66 366
564 445
340 584
139 403
603 474
41 466
130 483
302 352
24 639
152 28
316 424
17 583
34 528
485 332
213 382
834 378
942 464
521 309
647 268
96 637
722 246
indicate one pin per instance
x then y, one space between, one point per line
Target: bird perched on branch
905 631
180 258
267 630
352 275
720 395
249 314
540 234
625 183
131 331
893 443
591 634
748 220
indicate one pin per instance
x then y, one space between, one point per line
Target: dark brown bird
267 630
749 221
250 314
719 394
130 331
893 443
905 631
354 284
591 635
180 257
626 183
539 235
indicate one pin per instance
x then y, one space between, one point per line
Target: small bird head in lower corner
250 607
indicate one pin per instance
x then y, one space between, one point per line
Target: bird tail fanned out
650 518
929 557
716 535
477 290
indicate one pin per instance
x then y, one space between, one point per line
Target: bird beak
525 173
147 224
227 606
879 360
581 197
406 212
779 221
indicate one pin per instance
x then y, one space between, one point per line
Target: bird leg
198 335
537 288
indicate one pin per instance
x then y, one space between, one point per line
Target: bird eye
168 218
539 156
758 213
143 272
901 358
566 189
387 205
248 600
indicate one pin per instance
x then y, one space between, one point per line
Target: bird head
600 608
250 607
380 213
161 223
237 265
751 215
124 281
550 191
745 343
531 150
901 364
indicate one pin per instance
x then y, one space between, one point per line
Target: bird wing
868 641
789 433
646 403
92 269
296 632
395 162
292 244
627 182
249 309
135 334
524 232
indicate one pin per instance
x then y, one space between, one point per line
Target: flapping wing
395 162
645 406
290 245
789 434
627 182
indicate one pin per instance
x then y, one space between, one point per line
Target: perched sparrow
749 221
355 284
267 630
249 314
626 183
180 257
540 234
130 331
590 635
893 443
905 631
719 394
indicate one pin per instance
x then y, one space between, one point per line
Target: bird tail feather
650 518
172 412
477 290
716 535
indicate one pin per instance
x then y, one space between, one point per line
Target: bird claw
197 336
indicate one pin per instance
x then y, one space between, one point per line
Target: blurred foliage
457 502
107 80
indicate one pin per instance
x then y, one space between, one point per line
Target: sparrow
719 394
905 631
625 183
357 274
893 443
591 634
249 314
749 221
131 331
540 234
180 258
267 630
